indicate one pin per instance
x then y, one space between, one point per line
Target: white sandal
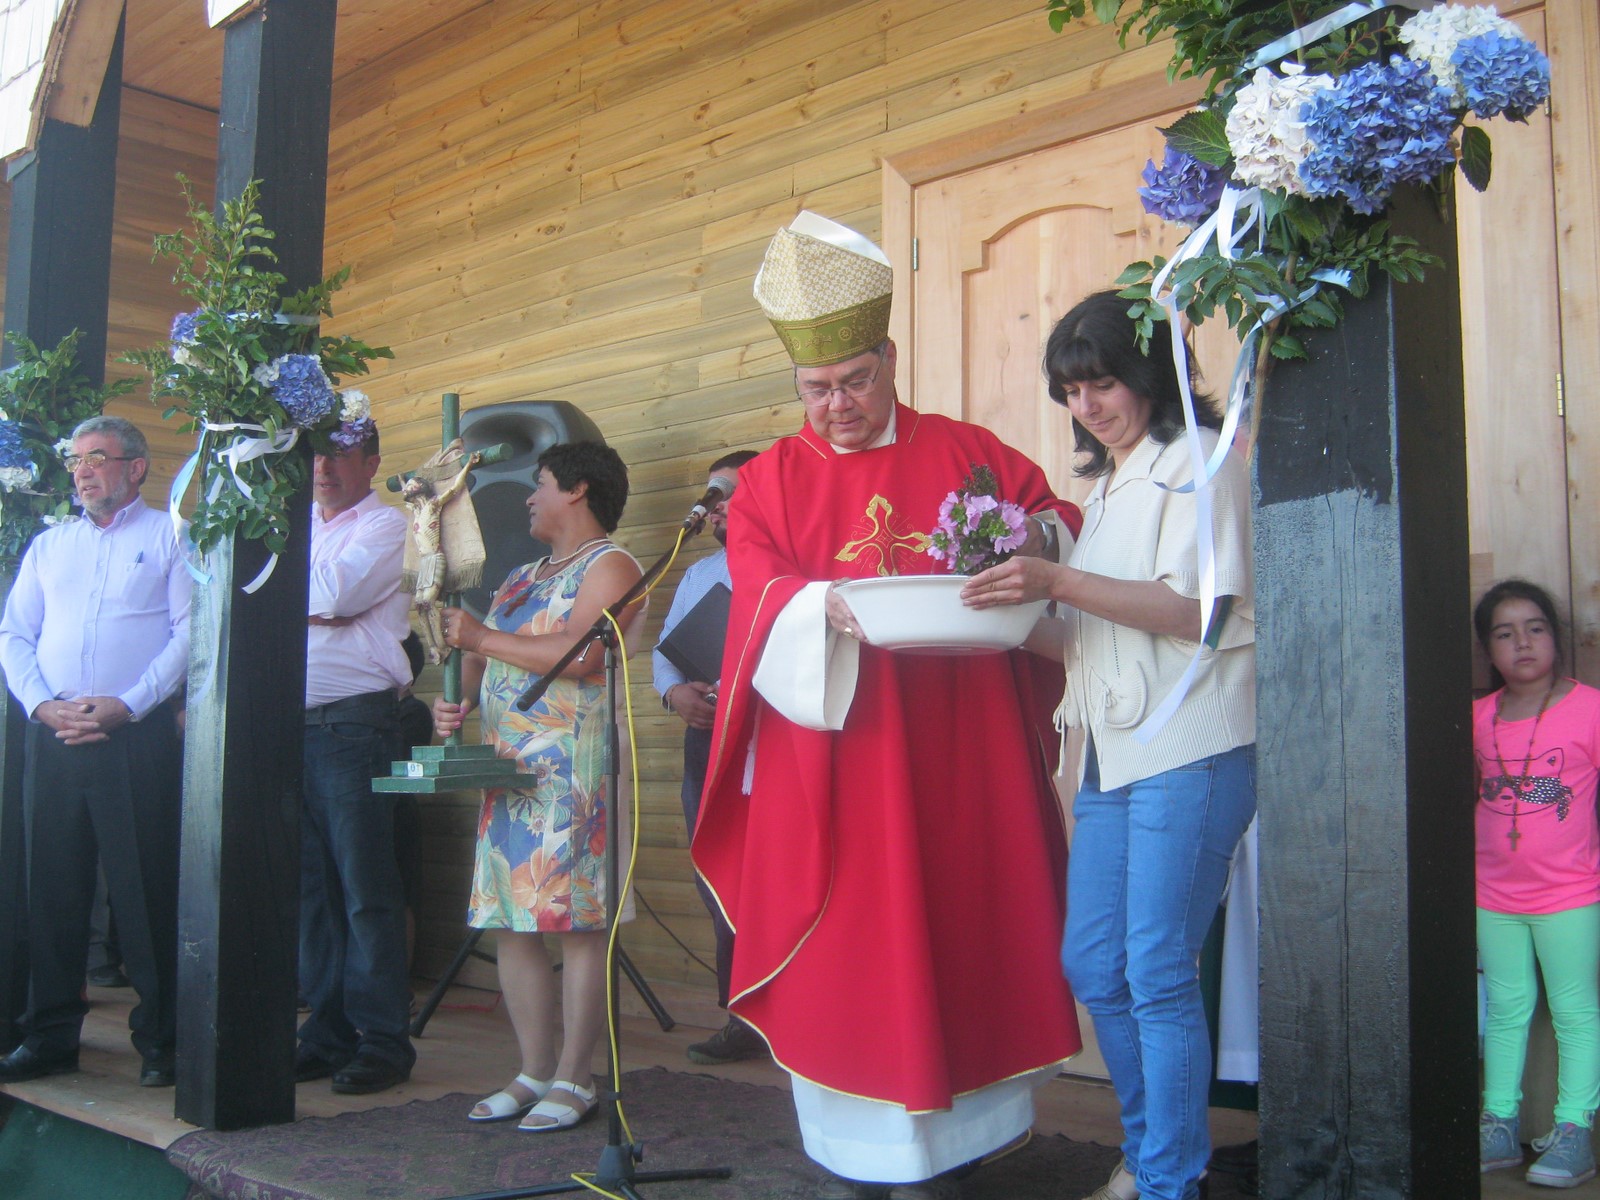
504 1105
559 1114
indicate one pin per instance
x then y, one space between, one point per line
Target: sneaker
1566 1157
108 976
1121 1186
733 1042
1498 1143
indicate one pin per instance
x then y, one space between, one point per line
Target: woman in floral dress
541 856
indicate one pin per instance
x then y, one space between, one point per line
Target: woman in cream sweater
1164 792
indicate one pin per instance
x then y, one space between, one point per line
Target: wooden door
1003 251
1511 352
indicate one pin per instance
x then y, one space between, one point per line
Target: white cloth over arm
807 670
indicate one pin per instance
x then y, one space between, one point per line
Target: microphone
721 489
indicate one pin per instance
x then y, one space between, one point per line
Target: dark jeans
120 802
352 904
696 760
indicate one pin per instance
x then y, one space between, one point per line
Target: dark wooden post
1369 1082
239 903
58 278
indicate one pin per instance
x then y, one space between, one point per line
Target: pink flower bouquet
976 529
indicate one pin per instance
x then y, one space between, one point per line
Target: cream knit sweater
1133 529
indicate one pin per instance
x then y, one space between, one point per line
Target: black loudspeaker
500 490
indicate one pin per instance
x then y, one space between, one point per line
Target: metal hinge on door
1561 397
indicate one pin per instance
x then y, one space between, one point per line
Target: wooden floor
468 1048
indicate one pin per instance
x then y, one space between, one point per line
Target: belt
369 708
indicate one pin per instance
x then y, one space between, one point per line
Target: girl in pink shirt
1537 744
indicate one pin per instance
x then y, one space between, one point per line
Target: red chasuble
898 886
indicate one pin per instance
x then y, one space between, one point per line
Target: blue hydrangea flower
185 328
1182 189
1502 74
352 435
303 388
16 464
1381 125
13 450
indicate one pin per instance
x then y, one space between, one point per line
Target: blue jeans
352 903
1149 862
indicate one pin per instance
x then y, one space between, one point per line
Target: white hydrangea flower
51 520
183 356
12 478
1432 37
266 374
63 447
1265 129
356 406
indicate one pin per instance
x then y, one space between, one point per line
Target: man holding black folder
690 691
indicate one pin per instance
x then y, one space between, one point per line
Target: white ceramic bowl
923 614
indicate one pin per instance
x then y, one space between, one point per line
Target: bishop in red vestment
893 862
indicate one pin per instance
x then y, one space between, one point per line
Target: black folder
695 644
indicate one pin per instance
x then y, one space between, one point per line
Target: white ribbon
1238 212
248 442
1224 226
1322 27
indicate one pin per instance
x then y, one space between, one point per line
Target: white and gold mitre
826 290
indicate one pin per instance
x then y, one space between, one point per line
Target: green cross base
433 769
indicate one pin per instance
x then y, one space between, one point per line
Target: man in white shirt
352 902
95 645
694 702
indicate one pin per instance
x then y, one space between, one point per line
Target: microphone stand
616 1172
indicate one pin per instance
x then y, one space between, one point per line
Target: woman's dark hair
1514 589
1098 339
596 464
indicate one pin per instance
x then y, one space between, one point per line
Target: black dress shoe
1235 1160
109 976
368 1073
309 1065
24 1063
158 1074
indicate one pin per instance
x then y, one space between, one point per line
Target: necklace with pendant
1520 786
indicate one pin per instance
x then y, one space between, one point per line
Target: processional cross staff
453 766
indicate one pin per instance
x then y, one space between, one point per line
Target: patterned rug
428 1151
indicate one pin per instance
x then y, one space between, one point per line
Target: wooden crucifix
453 766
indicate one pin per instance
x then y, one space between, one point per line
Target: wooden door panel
1511 353
1003 252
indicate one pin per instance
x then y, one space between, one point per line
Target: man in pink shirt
352 901
95 646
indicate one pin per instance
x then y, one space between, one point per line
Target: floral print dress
541 857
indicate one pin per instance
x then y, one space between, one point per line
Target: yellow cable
633 861
584 1178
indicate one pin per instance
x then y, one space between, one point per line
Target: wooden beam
74 79
239 903
1368 1026
58 278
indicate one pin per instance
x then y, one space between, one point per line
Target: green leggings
1568 948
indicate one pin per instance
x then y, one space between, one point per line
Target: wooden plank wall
160 138
569 201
